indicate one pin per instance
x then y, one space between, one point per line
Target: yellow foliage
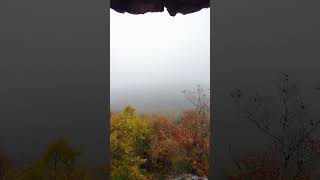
128 137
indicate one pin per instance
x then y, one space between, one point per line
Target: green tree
58 163
128 141
60 153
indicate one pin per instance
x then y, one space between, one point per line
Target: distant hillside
168 99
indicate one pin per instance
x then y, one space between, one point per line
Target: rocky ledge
190 177
172 6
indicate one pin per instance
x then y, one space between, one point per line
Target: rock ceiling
172 6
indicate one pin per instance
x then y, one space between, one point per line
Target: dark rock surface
173 6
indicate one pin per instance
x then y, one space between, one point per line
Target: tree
128 141
287 124
58 163
60 153
167 150
196 123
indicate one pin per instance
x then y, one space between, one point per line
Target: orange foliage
167 145
183 146
197 125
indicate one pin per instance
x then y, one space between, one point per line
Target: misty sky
156 49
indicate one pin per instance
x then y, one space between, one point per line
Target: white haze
154 56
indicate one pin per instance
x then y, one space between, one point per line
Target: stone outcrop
172 6
189 177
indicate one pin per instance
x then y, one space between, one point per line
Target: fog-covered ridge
153 98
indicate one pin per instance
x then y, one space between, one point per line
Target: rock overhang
173 6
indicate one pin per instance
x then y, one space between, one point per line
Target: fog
154 56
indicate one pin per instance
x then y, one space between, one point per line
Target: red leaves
169 147
196 125
175 146
166 145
